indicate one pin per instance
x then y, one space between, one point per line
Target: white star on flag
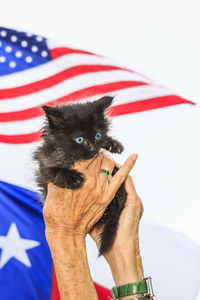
13 245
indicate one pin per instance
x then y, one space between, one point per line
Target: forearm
71 266
126 266
140 269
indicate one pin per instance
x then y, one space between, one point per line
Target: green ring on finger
105 172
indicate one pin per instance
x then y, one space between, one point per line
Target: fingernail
134 156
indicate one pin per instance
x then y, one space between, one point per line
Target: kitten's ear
54 115
103 103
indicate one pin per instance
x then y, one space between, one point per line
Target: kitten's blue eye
79 140
98 136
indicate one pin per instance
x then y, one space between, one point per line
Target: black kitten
76 132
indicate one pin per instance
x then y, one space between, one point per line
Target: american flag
34 71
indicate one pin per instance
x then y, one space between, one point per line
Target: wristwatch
141 287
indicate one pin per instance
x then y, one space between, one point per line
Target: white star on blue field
14 246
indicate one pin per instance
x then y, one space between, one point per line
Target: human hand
128 225
76 211
124 255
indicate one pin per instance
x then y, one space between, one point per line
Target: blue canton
21 51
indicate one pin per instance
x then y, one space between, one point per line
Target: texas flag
36 71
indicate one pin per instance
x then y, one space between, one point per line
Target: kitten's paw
116 147
76 180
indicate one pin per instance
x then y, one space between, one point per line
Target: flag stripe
84 84
35 124
20 138
60 51
143 105
56 66
22 127
126 94
53 80
114 111
21 115
75 96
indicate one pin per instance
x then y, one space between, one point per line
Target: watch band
134 288
140 287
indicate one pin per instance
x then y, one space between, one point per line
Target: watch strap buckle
114 293
149 284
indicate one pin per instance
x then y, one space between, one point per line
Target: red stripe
21 138
58 52
114 111
75 96
102 292
21 115
149 104
54 79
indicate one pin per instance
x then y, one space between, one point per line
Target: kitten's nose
92 147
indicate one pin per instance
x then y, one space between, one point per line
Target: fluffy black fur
60 150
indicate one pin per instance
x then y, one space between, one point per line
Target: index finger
121 175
